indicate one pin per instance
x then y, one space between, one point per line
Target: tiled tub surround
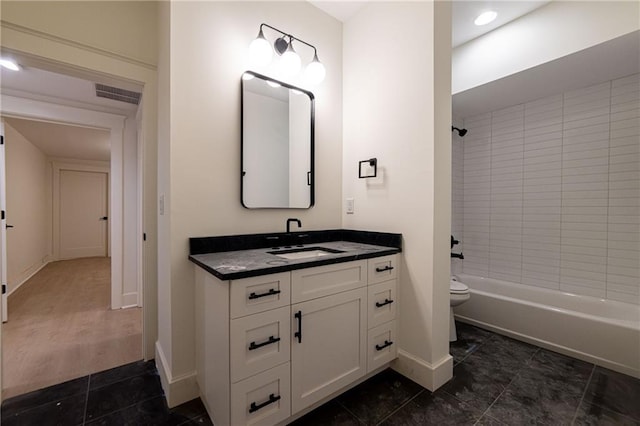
604 332
551 192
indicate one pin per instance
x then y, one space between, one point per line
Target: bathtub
603 332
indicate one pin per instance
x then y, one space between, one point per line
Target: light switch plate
349 205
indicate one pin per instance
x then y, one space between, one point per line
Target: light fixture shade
485 17
260 51
289 62
315 71
9 64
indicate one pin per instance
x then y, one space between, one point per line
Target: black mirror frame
311 174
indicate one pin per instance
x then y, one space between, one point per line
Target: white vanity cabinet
271 346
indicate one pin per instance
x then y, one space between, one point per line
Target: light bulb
485 17
260 51
315 71
9 64
289 62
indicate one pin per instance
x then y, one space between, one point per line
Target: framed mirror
277 144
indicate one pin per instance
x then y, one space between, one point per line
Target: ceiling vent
122 95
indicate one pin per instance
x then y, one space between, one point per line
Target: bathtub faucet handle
454 241
457 255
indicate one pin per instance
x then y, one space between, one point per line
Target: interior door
3 228
83 214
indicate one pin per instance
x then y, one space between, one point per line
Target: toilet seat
456 287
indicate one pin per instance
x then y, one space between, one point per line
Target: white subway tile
582 175
623 236
586 194
569 259
582 235
543 104
624 132
592 153
583 250
625 262
581 242
623 245
585 145
537 282
584 94
585 131
625 114
623 271
596 278
592 186
632 80
542 140
582 226
585 202
623 297
582 289
634 219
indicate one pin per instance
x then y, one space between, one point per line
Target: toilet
458 294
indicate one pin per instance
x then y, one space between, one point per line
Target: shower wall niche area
547 193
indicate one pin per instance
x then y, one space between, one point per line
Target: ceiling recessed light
485 17
9 64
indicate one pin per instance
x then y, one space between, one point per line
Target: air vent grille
122 95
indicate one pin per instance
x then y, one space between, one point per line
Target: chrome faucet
289 224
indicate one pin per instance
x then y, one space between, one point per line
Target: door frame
68 166
17 107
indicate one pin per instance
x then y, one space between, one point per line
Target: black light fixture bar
291 37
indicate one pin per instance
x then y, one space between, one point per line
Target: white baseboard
38 269
177 390
130 300
420 371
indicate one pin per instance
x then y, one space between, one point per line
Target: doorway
89 222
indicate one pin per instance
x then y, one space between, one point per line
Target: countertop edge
291 267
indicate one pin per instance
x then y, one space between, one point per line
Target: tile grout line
584 393
86 401
126 407
401 406
515 376
348 411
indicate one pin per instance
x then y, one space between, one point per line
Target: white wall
401 114
552 192
120 28
29 242
550 32
199 160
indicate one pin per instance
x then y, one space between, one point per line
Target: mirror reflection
277 144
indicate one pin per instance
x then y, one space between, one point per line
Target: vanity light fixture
9 64
485 17
261 52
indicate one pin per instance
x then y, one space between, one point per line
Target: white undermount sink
304 253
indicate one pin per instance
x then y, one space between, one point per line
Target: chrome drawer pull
386 344
254 345
381 304
386 268
255 407
271 292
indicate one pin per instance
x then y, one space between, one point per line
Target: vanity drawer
263 399
382 345
259 342
383 268
259 294
382 302
311 283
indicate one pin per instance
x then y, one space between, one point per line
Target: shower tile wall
551 192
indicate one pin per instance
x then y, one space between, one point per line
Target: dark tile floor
497 381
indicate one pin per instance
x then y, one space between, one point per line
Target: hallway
60 327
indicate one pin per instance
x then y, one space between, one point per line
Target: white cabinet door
328 346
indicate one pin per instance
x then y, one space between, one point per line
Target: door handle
104 218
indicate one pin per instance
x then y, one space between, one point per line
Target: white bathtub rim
603 362
632 324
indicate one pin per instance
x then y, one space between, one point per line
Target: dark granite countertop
254 261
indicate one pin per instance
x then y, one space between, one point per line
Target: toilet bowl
458 294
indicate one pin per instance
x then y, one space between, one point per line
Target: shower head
461 132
